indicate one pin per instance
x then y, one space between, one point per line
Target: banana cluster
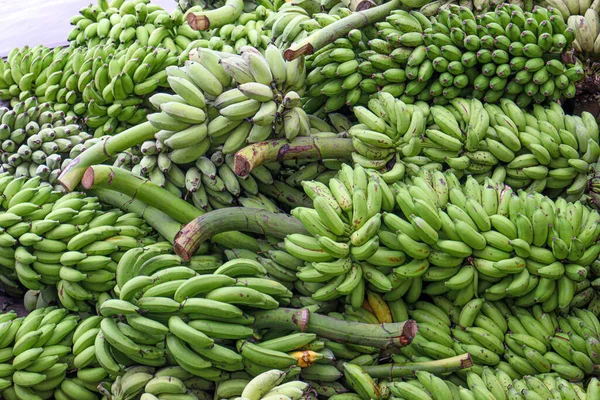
100 84
268 384
247 30
125 22
518 341
67 241
36 354
38 141
569 8
296 21
484 6
545 150
344 248
507 53
188 314
492 385
587 30
144 382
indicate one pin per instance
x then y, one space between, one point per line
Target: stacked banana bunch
188 314
515 340
125 22
39 142
206 112
492 385
295 21
246 31
36 356
100 84
484 6
514 54
337 75
68 241
143 382
545 150
587 30
269 384
520 245
344 247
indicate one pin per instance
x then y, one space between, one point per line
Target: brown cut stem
391 371
139 188
305 148
341 28
102 151
382 336
359 5
202 21
161 222
278 225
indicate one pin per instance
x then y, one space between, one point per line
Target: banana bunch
188 314
519 341
102 85
125 22
344 248
68 241
503 54
268 384
142 382
545 150
570 8
493 384
247 30
36 355
337 75
587 29
39 142
295 21
481 6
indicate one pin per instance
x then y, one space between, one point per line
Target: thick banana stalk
227 14
435 367
340 29
99 153
160 221
278 225
395 335
105 177
305 148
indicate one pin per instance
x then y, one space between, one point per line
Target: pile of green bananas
39 142
516 340
123 22
195 308
492 385
142 382
37 354
207 111
246 31
100 84
65 240
506 53
268 384
520 245
544 150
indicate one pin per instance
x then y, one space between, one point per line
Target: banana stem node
228 14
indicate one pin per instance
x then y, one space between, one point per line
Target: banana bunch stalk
247 30
37 353
67 241
503 54
38 142
545 150
268 384
492 385
125 22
